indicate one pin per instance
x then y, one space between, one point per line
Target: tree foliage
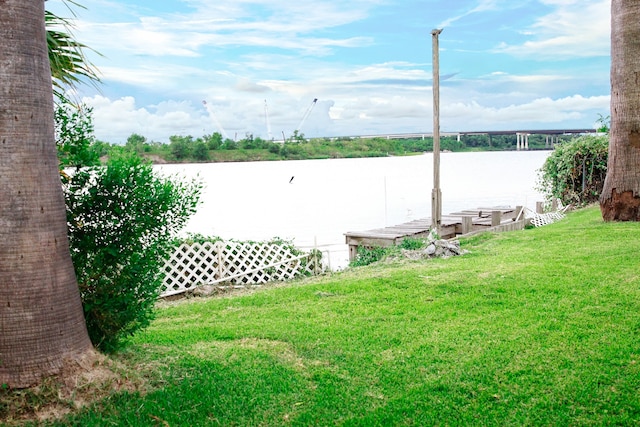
74 135
603 124
181 146
136 143
200 151
575 170
212 147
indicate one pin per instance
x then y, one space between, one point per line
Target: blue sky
504 64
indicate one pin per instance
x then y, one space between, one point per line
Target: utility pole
436 193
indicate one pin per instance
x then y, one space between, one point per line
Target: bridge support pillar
522 141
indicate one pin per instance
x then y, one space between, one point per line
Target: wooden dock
496 218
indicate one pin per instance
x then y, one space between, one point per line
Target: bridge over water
521 135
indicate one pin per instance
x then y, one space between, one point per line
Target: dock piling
496 218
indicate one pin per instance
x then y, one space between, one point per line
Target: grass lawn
536 327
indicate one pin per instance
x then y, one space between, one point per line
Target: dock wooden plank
471 212
450 226
497 208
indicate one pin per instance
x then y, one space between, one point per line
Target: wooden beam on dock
497 218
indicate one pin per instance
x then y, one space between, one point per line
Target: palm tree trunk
620 197
41 319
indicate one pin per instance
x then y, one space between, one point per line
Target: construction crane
306 114
215 120
266 119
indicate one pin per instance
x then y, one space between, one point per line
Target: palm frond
69 65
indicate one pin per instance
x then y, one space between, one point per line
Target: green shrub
412 243
122 222
200 151
273 148
575 171
229 144
368 255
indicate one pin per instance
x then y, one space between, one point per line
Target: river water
314 202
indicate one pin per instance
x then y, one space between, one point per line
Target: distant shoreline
244 156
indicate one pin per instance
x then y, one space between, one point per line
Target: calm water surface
314 202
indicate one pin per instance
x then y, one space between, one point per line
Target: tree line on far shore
215 148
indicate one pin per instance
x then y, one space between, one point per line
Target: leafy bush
229 144
200 151
366 256
369 255
575 171
122 218
274 148
122 221
412 243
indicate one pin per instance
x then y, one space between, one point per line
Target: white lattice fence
234 263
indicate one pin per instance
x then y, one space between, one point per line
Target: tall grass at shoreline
536 327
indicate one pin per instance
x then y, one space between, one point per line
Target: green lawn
537 327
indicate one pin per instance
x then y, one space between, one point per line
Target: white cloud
215 24
482 6
116 120
574 29
149 75
536 113
246 85
526 79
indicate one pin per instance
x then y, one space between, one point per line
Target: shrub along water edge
575 170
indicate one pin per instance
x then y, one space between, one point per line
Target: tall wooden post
436 193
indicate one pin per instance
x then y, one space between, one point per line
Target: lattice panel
538 220
234 263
